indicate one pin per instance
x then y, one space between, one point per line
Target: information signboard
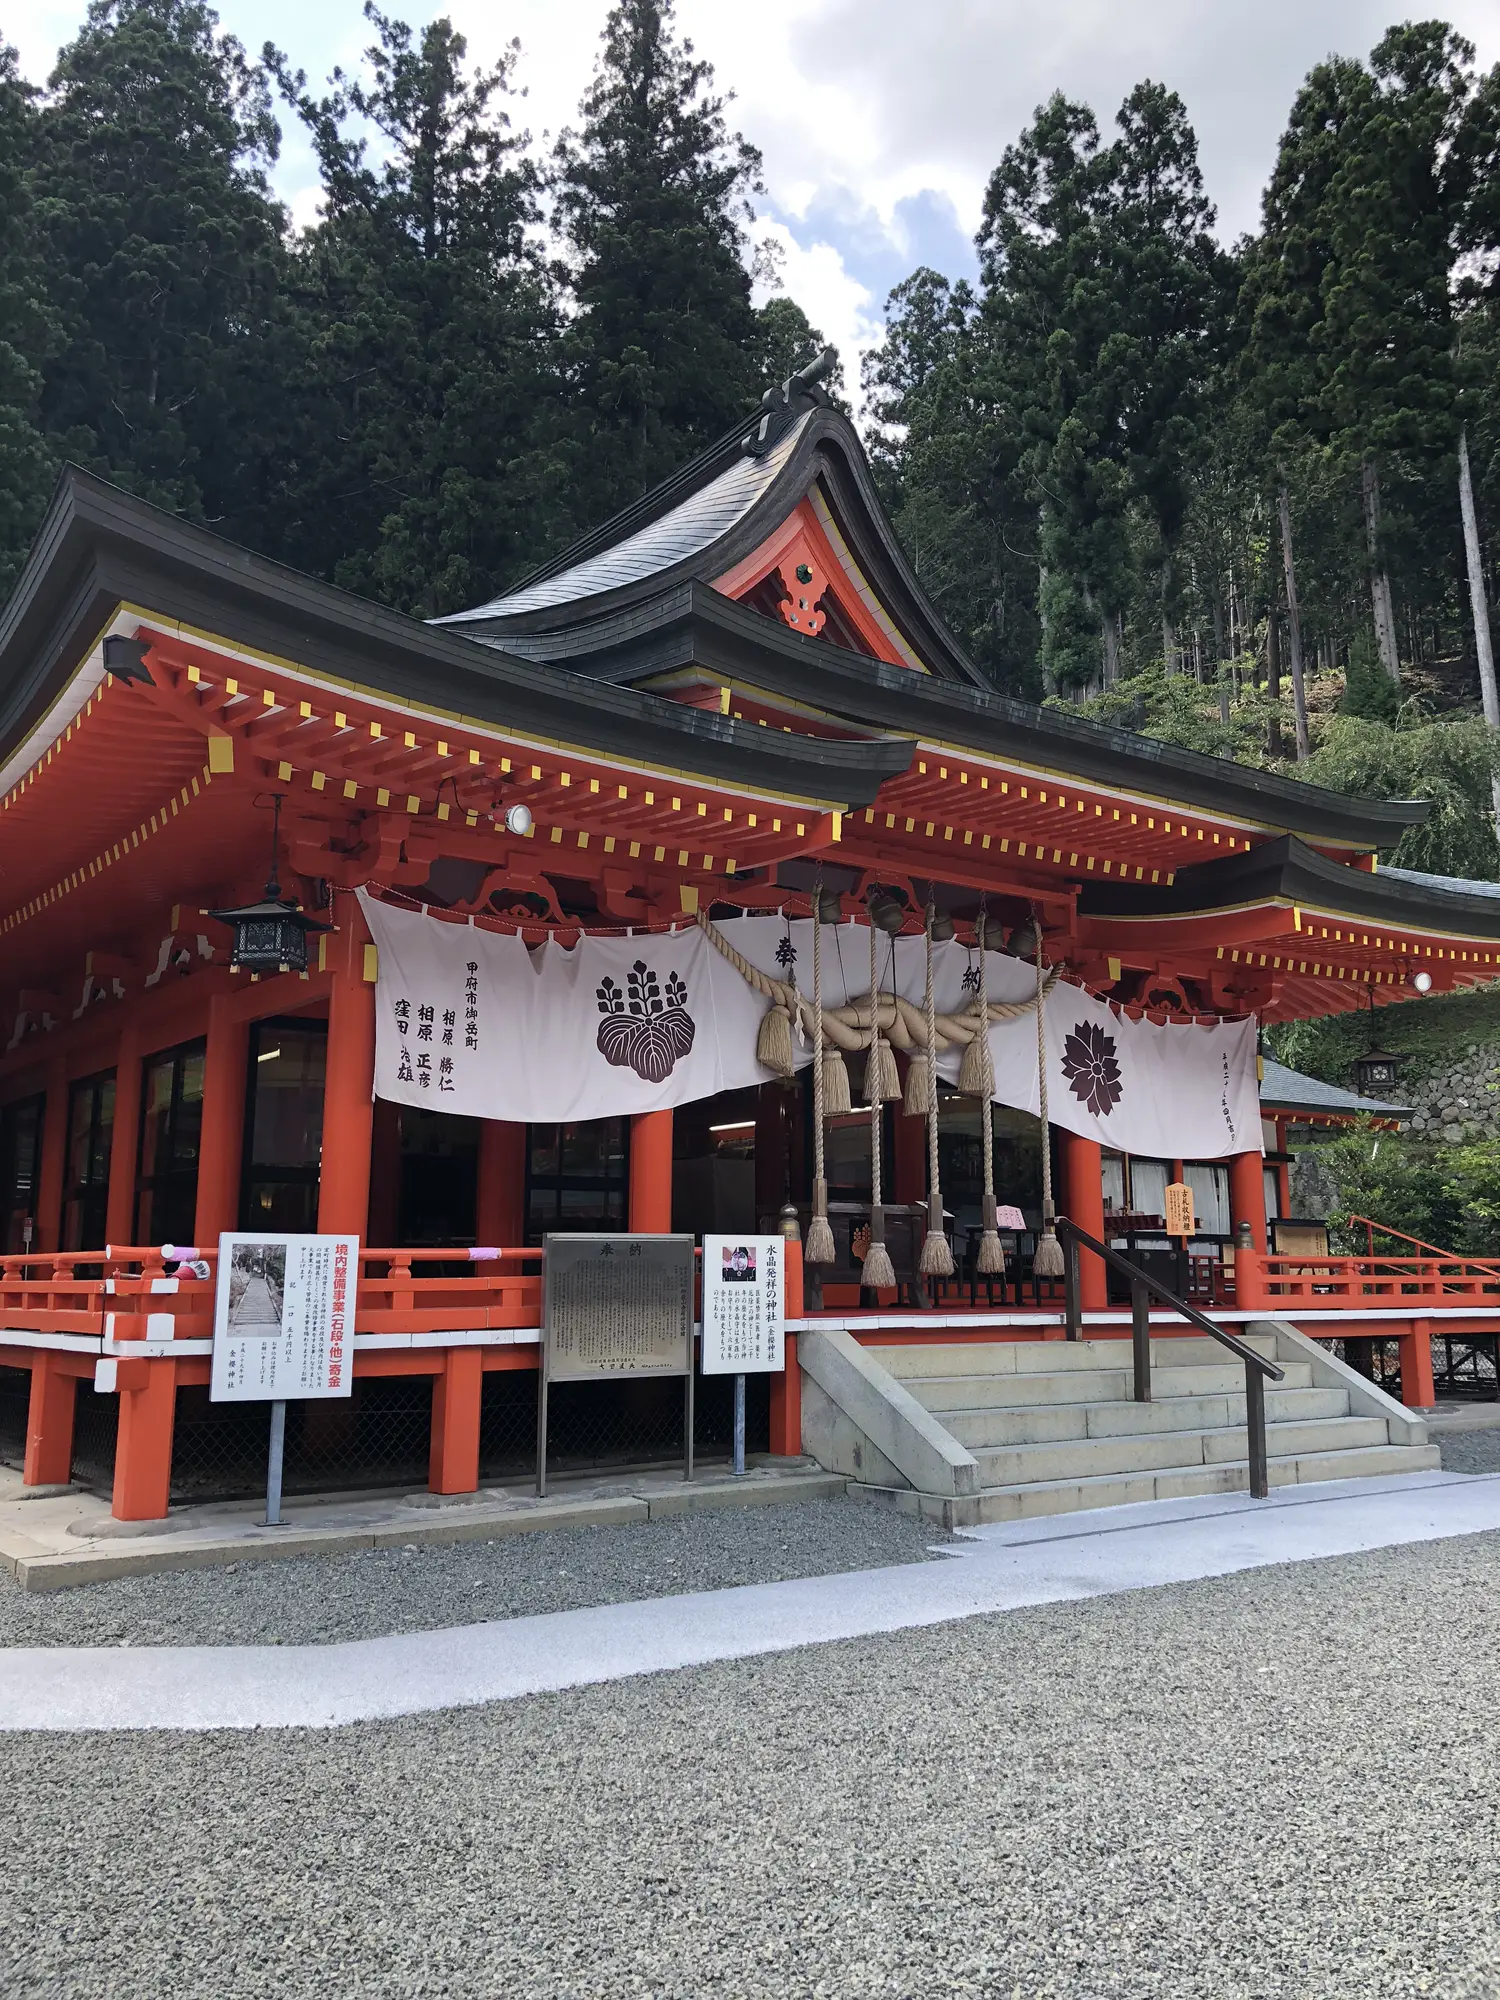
744 1318
284 1317
616 1305
615 1308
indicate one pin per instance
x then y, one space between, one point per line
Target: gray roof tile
693 525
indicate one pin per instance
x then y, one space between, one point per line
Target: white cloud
843 310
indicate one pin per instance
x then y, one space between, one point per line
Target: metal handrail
1143 1287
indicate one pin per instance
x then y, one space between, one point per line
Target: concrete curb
35 1567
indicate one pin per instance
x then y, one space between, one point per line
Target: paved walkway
999 1569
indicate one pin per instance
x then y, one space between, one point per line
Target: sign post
613 1308
283 1327
274 1462
744 1315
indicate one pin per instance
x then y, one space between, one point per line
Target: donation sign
1179 1206
744 1321
284 1317
616 1305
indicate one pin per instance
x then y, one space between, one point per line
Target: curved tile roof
1283 1089
1449 884
692 525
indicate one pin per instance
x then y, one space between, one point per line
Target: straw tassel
1048 1260
836 1094
936 1260
878 1273
819 1247
915 1102
976 1072
773 1044
990 1262
882 1082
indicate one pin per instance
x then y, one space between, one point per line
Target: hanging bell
886 913
942 927
1023 941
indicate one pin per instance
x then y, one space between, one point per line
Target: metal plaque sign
616 1306
744 1320
284 1317
1179 1209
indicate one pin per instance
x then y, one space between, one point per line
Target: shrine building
732 705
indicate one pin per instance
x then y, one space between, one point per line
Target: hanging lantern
1374 1072
271 935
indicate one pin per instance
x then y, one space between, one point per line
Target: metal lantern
271 935
1374 1072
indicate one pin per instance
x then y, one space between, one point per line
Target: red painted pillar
651 1173
1417 1390
453 1464
49 1189
349 1080
49 1424
125 1141
786 1388
143 1452
222 1140
1247 1195
500 1209
1083 1203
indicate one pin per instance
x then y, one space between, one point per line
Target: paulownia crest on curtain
643 1029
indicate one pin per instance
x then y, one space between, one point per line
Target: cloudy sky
881 119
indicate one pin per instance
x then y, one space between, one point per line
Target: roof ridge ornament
782 406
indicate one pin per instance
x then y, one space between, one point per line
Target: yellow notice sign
1179 1206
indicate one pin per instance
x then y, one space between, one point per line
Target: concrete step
970 1391
1067 1496
1030 1464
1050 1423
1196 1350
1297 1440
909 1362
1283 1406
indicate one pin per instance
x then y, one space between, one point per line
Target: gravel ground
1470 1451
307 1600
1234 1788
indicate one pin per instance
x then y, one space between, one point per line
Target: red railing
400 1291
1374 1229
1326 1284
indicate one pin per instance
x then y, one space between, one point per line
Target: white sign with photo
284 1317
744 1314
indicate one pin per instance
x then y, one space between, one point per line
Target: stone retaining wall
1458 1103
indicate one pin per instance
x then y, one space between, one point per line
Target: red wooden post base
786 1406
143 1453
49 1424
453 1466
1417 1390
